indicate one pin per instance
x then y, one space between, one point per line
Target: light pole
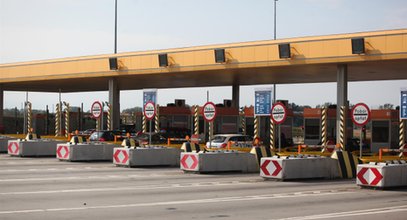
115 26
275 19
275 37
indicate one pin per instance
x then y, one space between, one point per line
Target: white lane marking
58 169
102 177
184 185
351 213
182 202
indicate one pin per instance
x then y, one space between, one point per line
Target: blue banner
403 104
149 95
262 102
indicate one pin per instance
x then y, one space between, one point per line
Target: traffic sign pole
360 142
278 115
209 113
149 138
279 138
149 113
360 117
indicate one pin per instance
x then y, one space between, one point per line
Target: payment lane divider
382 175
376 159
260 152
4 143
218 161
32 148
146 156
298 167
85 151
347 163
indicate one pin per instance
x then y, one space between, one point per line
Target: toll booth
227 120
382 130
312 125
175 116
286 127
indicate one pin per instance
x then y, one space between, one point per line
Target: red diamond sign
189 162
121 156
62 151
270 168
13 148
369 176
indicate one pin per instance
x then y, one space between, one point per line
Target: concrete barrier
4 144
85 152
149 156
32 148
299 167
219 161
382 175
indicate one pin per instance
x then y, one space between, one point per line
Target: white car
238 140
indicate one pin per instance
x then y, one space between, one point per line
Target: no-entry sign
96 109
278 113
149 110
360 114
209 111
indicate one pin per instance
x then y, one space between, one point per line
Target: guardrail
388 150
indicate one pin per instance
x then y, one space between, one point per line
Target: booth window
380 131
312 128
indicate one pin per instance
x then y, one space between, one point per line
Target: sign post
278 115
403 103
262 106
97 110
209 113
262 102
360 117
149 113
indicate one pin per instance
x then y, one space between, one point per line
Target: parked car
103 135
143 138
175 132
238 140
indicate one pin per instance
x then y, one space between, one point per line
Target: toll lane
64 190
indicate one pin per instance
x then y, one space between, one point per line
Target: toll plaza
339 58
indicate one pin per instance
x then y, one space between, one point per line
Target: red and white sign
62 151
270 168
121 156
13 148
96 109
209 111
189 162
149 110
360 114
369 176
278 113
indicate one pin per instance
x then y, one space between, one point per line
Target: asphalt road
45 188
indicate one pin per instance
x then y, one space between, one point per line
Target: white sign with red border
278 113
121 156
189 161
96 109
149 110
271 168
209 111
360 114
63 151
13 147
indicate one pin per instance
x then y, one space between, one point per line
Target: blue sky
47 29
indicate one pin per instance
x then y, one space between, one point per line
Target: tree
386 106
